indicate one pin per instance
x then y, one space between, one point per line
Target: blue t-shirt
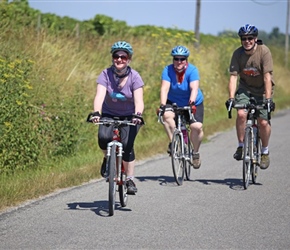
180 93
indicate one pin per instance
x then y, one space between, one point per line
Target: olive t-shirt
251 68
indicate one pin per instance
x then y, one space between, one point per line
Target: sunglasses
116 56
179 59
250 38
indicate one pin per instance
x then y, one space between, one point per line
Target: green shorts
243 97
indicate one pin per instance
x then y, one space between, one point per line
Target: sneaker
196 162
265 161
239 154
131 187
169 148
103 168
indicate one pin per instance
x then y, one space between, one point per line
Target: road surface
212 211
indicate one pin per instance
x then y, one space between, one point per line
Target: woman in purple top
180 85
120 94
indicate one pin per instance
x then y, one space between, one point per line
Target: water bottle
184 132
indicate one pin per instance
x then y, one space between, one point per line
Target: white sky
215 16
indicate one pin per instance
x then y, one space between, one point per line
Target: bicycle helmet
248 29
124 46
180 51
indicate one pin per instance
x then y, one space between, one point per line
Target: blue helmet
124 46
180 51
248 29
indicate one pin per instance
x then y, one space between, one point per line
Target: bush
31 133
18 138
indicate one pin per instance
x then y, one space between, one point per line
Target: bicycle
115 171
252 141
181 146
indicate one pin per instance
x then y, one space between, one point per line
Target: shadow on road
233 183
98 207
163 180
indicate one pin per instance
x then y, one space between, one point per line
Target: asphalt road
212 211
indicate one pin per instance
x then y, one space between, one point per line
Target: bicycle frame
251 121
179 121
181 160
250 155
182 122
116 140
114 164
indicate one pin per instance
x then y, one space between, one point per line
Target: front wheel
112 180
247 161
177 159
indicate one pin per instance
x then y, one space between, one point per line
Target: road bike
181 145
115 171
252 141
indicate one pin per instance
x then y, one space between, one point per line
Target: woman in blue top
180 85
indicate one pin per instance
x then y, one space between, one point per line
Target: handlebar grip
230 114
89 117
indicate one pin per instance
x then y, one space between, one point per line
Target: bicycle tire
189 150
112 180
257 159
247 162
123 190
177 159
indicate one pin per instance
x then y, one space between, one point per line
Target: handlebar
252 105
177 109
113 121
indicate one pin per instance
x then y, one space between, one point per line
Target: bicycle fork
247 157
179 124
183 155
119 150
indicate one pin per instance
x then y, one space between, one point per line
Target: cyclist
180 85
120 94
253 63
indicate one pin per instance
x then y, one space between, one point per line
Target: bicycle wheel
247 158
188 153
112 180
177 157
123 189
257 159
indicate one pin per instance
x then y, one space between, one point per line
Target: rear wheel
112 180
247 162
189 150
123 190
177 159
